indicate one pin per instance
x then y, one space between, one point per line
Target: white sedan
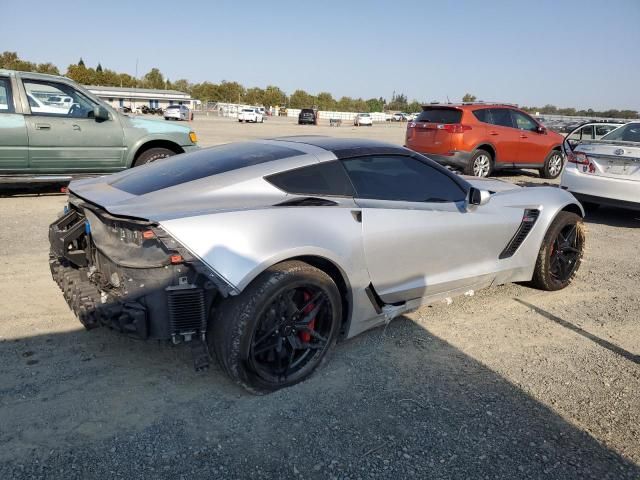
250 115
362 119
605 171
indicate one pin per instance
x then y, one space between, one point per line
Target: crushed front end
130 275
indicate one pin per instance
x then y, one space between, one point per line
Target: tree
231 92
154 79
48 67
398 102
300 99
254 96
273 96
182 85
414 106
82 74
325 101
99 68
375 104
468 98
205 91
81 62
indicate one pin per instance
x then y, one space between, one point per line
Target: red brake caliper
304 335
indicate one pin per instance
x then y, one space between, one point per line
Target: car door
68 138
418 237
534 143
13 132
503 136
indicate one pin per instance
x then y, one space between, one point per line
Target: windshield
173 107
248 110
627 133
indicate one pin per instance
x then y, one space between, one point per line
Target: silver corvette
268 252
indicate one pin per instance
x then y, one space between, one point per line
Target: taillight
453 127
579 158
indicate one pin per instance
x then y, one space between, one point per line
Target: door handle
494 133
43 126
76 127
523 136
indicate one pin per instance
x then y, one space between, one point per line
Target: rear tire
480 164
152 155
552 165
253 334
560 254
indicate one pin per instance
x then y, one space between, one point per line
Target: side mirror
541 129
100 114
478 197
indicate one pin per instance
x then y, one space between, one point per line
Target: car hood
491 184
155 126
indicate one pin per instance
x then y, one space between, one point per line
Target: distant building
136 97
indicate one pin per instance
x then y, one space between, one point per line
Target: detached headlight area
131 276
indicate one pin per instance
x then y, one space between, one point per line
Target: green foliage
153 79
11 61
234 92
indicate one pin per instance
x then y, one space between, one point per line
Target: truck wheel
480 164
152 155
552 165
279 329
560 253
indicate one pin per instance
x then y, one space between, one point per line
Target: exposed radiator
187 312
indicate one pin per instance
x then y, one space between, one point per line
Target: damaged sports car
268 252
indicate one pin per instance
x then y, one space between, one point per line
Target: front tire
152 155
279 329
480 164
560 254
552 165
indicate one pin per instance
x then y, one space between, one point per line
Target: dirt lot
509 383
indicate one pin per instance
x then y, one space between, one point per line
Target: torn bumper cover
130 275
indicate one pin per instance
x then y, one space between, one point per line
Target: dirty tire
563 225
553 165
480 164
152 155
237 320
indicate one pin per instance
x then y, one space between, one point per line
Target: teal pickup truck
52 130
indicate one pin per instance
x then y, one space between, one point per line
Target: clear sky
583 53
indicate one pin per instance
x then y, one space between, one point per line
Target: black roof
347 147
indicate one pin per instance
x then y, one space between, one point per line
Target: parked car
40 143
591 131
605 171
482 138
307 116
177 112
250 115
267 252
363 119
400 117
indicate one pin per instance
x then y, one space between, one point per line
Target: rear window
307 110
203 163
440 115
627 133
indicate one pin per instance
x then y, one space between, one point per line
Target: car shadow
396 397
33 189
614 217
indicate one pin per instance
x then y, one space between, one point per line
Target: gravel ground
509 383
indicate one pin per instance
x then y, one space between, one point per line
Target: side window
57 99
502 117
327 178
401 178
483 115
524 122
6 99
602 130
587 132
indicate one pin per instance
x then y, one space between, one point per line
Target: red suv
481 138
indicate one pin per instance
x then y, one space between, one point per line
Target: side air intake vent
528 221
186 312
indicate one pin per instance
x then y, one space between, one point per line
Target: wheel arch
326 265
573 208
489 148
154 143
